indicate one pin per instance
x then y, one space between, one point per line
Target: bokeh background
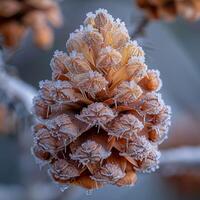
173 48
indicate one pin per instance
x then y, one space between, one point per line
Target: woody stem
14 87
139 31
188 155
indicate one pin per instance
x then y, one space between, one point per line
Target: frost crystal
90 152
151 103
90 82
58 91
108 58
145 153
57 133
108 173
126 126
97 114
104 12
158 125
139 148
63 170
127 92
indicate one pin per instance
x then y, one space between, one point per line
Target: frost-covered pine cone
168 9
100 117
17 16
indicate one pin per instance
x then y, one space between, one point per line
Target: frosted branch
189 155
15 87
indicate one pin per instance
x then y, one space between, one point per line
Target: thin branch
15 87
139 31
188 155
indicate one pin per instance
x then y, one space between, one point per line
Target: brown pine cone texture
7 120
169 9
100 117
17 16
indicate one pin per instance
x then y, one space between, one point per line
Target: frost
72 35
138 149
58 91
81 28
136 59
108 173
58 53
89 192
90 82
151 163
56 133
101 10
40 108
90 14
127 92
90 152
105 12
63 124
142 150
121 25
160 123
108 58
125 126
38 161
57 61
107 49
63 170
63 187
73 54
151 103
88 28
132 42
97 114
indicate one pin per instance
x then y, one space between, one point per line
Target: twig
189 155
139 31
15 87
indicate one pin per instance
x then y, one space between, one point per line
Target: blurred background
171 47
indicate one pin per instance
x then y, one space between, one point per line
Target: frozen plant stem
15 87
188 155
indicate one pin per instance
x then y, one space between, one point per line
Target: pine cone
101 118
169 9
17 16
